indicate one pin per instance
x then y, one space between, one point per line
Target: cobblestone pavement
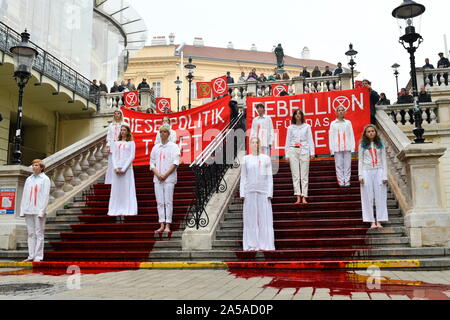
225 285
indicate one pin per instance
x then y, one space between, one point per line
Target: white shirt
163 156
36 194
372 158
262 127
256 175
300 136
113 132
341 136
123 154
172 137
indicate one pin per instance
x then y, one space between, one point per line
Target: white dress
122 201
111 137
256 188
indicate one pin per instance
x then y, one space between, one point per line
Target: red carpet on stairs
100 238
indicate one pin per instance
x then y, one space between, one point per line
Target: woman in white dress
33 207
372 170
111 137
342 144
122 201
299 150
256 188
173 134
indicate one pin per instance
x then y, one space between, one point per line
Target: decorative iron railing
47 64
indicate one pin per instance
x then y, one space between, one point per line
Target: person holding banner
372 170
123 201
33 207
299 150
111 137
262 128
173 134
256 188
342 144
164 161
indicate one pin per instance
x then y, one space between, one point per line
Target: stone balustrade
109 102
436 79
403 114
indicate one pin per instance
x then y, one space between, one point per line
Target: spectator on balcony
122 200
316 72
256 188
164 161
94 88
252 75
272 78
262 128
327 72
443 63
338 70
262 78
183 108
149 110
35 197
123 86
242 78
130 85
115 89
404 97
305 73
230 79
283 93
383 100
102 87
374 98
285 76
424 96
143 85
427 64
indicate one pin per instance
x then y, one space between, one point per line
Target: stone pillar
427 221
103 101
12 227
346 81
252 87
443 110
298 84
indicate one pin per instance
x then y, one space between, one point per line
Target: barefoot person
372 169
342 144
262 128
256 189
33 207
123 201
173 134
164 161
299 150
111 137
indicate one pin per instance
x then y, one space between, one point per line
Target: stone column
427 221
298 85
346 81
252 87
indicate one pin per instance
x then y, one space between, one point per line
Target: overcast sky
326 27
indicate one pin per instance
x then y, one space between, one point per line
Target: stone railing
434 78
403 114
108 102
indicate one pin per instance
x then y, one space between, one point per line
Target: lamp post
190 66
24 56
407 11
395 66
178 82
351 53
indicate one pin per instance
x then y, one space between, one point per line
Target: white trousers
35 229
164 200
373 188
299 164
258 222
343 162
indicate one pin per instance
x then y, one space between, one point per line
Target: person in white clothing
111 137
262 128
122 200
33 207
372 171
173 134
256 188
299 150
342 144
164 161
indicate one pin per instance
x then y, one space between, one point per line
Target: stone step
63 219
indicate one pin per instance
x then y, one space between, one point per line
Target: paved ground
225 285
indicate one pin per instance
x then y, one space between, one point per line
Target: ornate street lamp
395 67
405 13
190 66
24 56
351 53
178 82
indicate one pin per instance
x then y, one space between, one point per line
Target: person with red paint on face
372 170
33 207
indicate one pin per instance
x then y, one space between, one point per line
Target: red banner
195 129
163 105
131 99
277 89
219 86
204 90
319 110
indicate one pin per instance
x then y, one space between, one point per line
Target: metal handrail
47 64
